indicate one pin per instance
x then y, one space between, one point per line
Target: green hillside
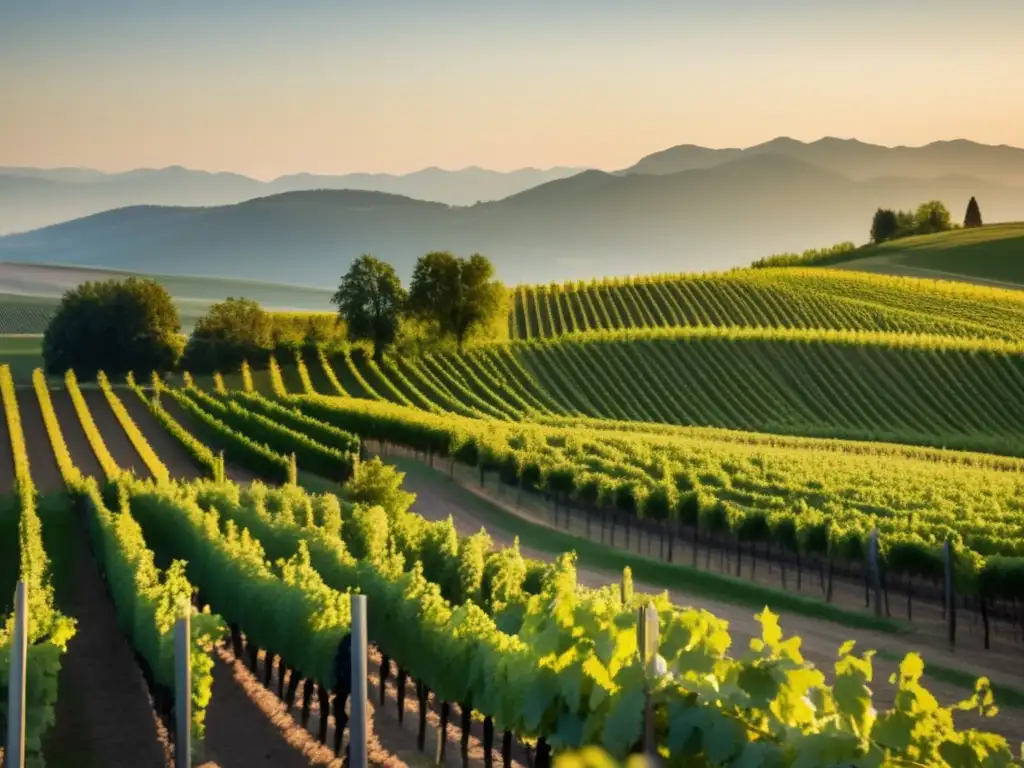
769 298
922 390
990 255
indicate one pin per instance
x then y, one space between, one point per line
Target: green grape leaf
539 699
893 730
568 734
624 723
760 684
723 738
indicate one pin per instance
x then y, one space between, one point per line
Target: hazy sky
266 88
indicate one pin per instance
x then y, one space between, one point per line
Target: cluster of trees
114 326
449 298
132 325
929 218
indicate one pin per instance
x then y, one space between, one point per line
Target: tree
884 226
931 217
459 295
973 216
231 331
370 300
115 326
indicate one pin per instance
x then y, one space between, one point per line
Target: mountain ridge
854 158
594 223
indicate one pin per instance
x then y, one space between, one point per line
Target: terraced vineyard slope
925 390
769 298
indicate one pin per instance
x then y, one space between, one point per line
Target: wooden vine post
873 570
183 689
15 750
357 727
648 639
950 594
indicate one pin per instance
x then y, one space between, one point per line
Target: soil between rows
171 452
74 435
105 716
118 443
41 458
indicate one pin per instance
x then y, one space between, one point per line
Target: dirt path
171 452
45 472
74 435
6 456
113 434
105 716
438 497
241 733
399 738
234 472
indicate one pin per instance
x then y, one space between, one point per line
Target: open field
94 440
987 256
29 294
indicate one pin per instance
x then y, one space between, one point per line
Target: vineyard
924 390
768 298
257 506
835 454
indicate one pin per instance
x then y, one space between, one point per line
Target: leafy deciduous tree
459 295
370 300
931 217
115 326
231 331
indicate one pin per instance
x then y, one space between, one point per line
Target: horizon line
580 168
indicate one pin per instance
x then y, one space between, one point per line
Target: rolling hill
879 387
33 197
591 223
990 255
768 298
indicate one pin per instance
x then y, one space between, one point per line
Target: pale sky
267 88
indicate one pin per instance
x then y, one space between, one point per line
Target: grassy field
992 255
22 353
29 294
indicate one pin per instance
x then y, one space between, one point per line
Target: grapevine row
874 387
768 298
716 489
595 694
49 631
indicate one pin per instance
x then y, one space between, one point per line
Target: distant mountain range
855 159
34 197
589 224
